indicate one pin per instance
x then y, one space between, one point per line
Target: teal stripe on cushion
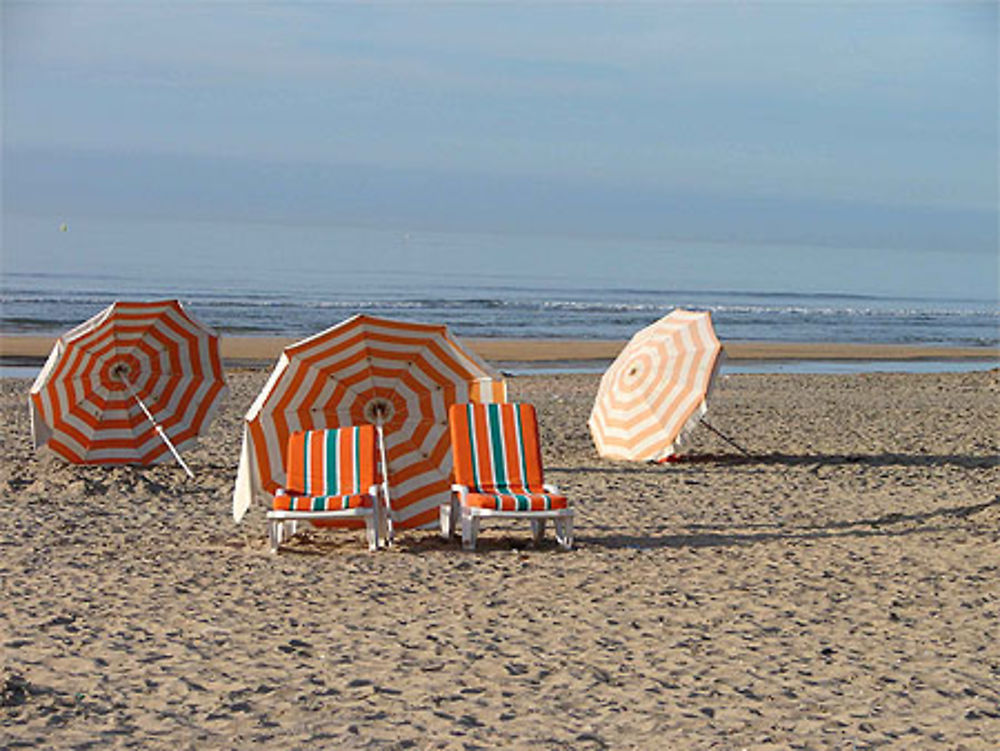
331 457
495 425
471 422
305 462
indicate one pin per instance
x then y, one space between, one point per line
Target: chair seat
285 502
516 501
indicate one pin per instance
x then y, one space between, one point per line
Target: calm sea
293 280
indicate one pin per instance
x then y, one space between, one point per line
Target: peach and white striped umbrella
401 375
129 386
656 389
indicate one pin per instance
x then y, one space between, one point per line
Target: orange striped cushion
332 462
322 502
516 502
495 447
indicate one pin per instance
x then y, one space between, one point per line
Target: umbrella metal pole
385 473
157 426
726 438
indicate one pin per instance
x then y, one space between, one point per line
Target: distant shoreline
30 349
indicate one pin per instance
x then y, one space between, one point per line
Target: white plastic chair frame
457 512
282 525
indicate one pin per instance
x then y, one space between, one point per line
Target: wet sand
259 349
838 589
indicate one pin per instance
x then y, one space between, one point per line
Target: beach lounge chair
498 473
332 476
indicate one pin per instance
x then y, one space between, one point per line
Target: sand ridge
838 589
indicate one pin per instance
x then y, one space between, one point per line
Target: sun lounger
498 473
332 477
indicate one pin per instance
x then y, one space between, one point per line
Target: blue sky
860 125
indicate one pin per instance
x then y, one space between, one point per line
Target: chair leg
371 531
273 538
564 532
447 520
470 530
452 514
390 531
385 530
537 531
379 521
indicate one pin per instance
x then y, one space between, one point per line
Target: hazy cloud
879 110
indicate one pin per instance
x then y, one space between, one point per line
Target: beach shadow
340 542
727 540
878 460
311 543
956 512
617 469
875 527
888 459
489 541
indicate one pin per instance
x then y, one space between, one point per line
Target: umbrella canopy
136 381
402 376
656 389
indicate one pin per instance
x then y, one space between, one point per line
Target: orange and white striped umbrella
368 370
123 386
656 389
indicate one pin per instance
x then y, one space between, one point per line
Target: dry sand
840 589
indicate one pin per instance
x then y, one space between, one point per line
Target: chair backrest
335 461
495 447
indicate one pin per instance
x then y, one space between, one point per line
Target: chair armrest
457 488
550 488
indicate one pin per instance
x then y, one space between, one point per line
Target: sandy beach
838 589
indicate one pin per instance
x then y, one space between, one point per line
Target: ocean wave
594 307
805 306
517 313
